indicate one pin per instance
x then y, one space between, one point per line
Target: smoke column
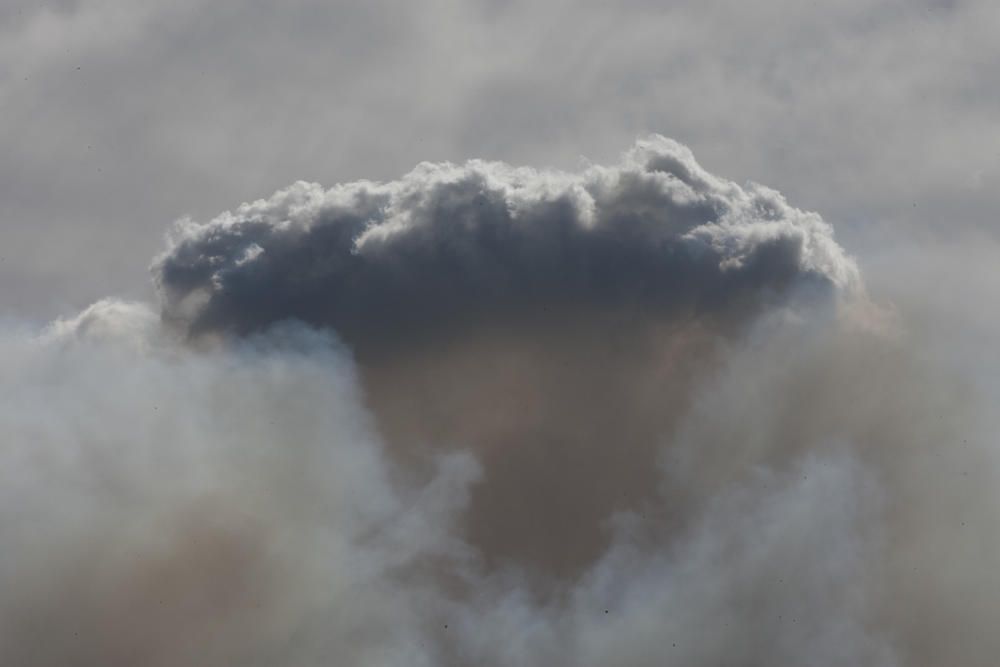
494 415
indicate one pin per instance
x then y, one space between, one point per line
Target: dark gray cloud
655 232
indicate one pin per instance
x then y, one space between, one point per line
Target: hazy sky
118 117
559 334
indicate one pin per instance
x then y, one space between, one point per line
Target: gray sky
597 416
118 117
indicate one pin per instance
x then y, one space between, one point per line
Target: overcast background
117 117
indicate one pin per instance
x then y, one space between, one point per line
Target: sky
558 334
121 117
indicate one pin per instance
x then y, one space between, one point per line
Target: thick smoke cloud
498 416
478 240
536 317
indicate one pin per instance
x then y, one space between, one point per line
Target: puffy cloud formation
532 316
497 416
450 242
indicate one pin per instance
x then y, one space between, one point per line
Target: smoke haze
633 415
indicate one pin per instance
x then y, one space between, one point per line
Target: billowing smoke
636 415
450 245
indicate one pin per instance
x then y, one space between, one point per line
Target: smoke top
494 415
450 244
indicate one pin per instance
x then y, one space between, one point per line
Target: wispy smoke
638 415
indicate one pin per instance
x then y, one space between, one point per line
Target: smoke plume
635 415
